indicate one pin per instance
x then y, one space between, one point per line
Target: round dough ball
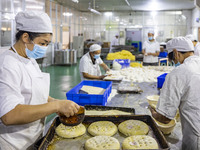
102 142
70 131
140 142
133 127
102 128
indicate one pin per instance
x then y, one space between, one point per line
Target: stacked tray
105 108
78 143
128 87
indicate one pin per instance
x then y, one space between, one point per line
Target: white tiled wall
195 25
166 24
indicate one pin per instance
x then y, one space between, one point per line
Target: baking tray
127 87
129 92
104 108
76 144
114 79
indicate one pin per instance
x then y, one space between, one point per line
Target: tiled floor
62 79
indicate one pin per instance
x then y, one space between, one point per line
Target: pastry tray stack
78 143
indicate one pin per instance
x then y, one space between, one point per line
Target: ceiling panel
136 5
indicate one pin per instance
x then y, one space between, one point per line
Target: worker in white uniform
150 50
114 42
90 62
24 89
195 43
181 91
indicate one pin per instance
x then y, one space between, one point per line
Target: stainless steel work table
139 102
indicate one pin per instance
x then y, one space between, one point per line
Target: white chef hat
151 31
190 36
95 47
33 21
181 44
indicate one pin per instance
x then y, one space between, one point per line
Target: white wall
167 24
195 25
188 15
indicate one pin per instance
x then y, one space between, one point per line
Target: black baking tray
130 92
44 142
102 108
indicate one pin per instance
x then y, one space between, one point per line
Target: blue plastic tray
123 62
90 99
161 80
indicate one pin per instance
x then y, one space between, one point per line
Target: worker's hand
67 107
108 70
145 54
149 53
151 109
102 77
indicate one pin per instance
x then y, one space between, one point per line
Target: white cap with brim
95 47
151 31
33 21
190 36
181 44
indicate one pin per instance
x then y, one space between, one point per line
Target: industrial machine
65 57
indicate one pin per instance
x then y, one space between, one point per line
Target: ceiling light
67 14
3 28
117 19
108 13
153 5
8 16
179 12
31 1
75 1
183 16
16 2
95 11
127 2
19 9
34 7
153 13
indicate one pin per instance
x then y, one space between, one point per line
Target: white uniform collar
190 57
197 44
26 60
151 42
89 57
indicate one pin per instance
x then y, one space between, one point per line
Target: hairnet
190 36
181 44
117 34
151 31
33 21
95 47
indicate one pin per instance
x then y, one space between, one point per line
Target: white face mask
37 52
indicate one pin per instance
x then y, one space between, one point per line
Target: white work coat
87 66
197 49
21 82
115 41
151 47
181 90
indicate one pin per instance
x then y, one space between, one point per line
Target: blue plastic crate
123 62
90 99
161 80
163 55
